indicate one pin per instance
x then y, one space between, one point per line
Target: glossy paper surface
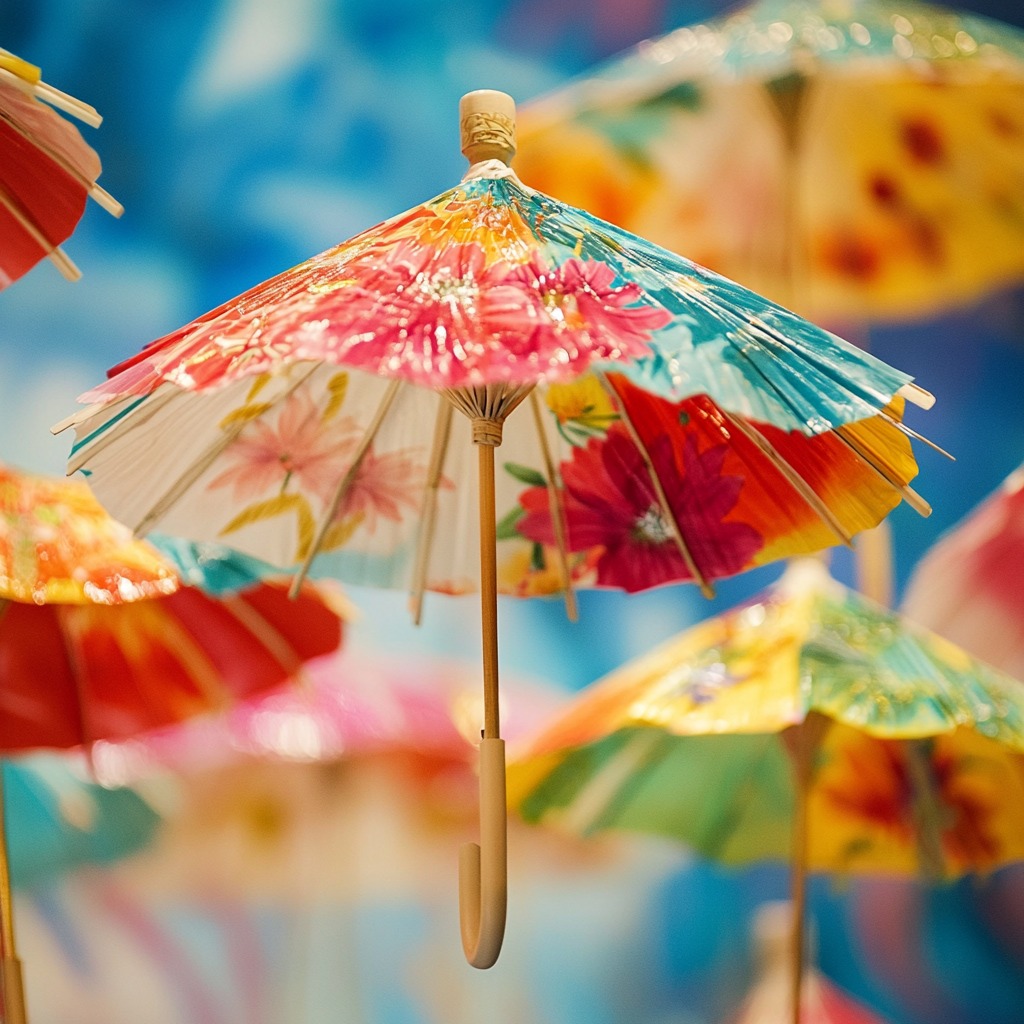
58 544
880 170
689 741
493 282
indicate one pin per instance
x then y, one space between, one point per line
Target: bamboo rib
100 195
154 402
95 191
677 534
793 478
557 512
917 395
428 507
900 425
910 496
183 482
344 484
55 253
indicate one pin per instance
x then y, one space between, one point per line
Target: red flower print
444 316
415 306
610 503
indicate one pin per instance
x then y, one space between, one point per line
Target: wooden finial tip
487 120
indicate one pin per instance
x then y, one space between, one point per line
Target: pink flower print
414 309
582 312
610 503
297 445
384 485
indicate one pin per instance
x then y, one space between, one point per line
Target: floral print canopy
923 742
660 387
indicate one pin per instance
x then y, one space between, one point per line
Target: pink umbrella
968 586
345 704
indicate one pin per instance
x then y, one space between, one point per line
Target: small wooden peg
487 120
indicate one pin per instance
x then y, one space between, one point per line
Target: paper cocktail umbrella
968 586
811 726
333 411
98 639
853 159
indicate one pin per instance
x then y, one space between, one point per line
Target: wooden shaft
10 965
489 590
14 991
799 893
6 909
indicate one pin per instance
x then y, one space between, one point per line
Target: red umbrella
47 171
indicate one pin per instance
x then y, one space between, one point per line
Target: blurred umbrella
59 821
347 706
98 641
853 159
47 171
968 586
810 725
368 767
768 1002
85 656
315 413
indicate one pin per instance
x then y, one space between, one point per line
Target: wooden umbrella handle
483 869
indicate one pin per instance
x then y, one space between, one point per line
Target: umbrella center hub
651 527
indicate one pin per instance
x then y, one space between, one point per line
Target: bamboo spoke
557 511
910 496
344 484
54 253
86 449
428 507
666 509
793 478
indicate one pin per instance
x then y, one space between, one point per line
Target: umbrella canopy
347 705
880 170
822 1002
316 411
696 739
47 171
98 640
967 587
59 821
811 725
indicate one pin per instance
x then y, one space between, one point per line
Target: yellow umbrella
851 159
809 725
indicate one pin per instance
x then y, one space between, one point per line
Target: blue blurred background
245 135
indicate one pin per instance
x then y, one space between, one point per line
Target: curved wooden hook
483 870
